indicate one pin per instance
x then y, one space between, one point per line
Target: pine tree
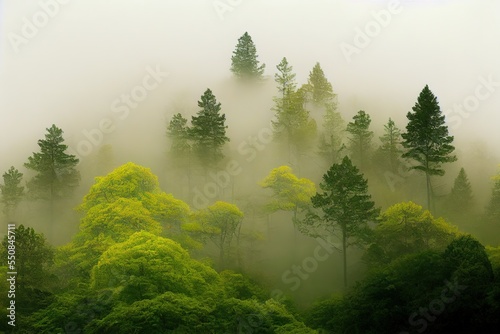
244 63
56 174
12 192
460 200
345 206
285 78
391 148
178 132
320 88
427 140
330 145
208 130
493 207
360 138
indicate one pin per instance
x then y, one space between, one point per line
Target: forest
307 221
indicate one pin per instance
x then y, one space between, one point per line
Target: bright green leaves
289 192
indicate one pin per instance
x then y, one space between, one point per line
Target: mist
81 68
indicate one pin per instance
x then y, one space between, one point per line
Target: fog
75 68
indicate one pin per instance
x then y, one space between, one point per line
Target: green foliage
426 139
320 88
459 202
208 130
178 132
33 260
289 192
244 63
360 138
285 78
406 228
12 192
391 148
344 205
493 207
330 146
56 173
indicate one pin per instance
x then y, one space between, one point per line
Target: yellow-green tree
406 228
220 223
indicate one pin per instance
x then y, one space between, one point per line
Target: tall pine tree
208 130
493 207
391 148
331 138
319 87
460 200
244 63
427 140
56 173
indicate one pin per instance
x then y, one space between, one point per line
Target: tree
330 146
391 149
360 138
320 88
33 258
220 223
285 79
244 63
406 228
208 130
289 192
12 192
460 199
344 205
178 132
493 207
426 139
56 174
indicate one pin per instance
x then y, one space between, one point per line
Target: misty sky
72 68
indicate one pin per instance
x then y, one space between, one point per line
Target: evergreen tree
208 130
320 88
12 192
360 138
330 145
285 78
178 132
345 206
493 207
391 149
426 138
56 174
244 63
460 200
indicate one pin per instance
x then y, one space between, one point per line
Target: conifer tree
427 140
320 88
493 207
244 63
391 148
56 173
178 132
208 130
11 190
330 145
360 138
460 200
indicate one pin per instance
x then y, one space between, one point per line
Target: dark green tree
208 130
12 192
56 173
360 138
426 139
244 63
33 258
460 200
493 207
320 88
391 148
344 205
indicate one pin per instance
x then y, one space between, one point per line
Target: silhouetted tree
244 63
360 138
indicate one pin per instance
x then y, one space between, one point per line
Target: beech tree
208 130
426 139
344 205
11 190
244 63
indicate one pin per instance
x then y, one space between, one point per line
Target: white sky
91 51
